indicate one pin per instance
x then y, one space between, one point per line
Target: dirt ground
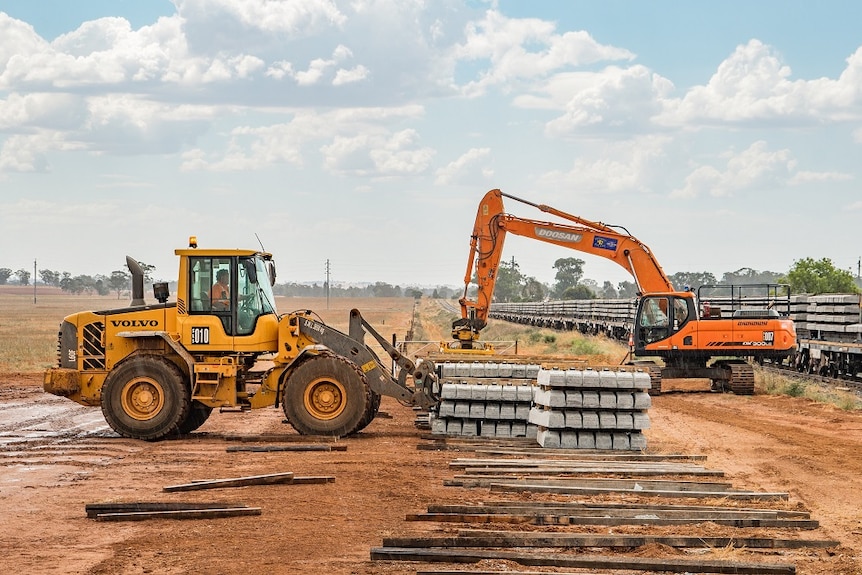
57 456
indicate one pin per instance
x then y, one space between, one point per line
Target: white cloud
377 153
353 141
465 167
17 40
627 166
805 177
294 17
617 99
351 76
504 43
753 85
754 168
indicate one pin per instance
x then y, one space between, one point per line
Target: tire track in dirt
809 450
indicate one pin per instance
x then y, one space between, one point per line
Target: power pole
327 283
34 280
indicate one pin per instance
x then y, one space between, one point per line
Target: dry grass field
56 457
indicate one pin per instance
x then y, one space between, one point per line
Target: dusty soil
56 457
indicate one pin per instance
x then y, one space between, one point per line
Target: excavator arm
486 248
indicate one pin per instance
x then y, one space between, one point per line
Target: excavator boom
489 234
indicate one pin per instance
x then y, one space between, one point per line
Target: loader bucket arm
380 379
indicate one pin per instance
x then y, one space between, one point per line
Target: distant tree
579 291
608 291
148 271
691 280
444 292
745 276
50 278
533 290
510 281
118 281
5 274
100 284
569 274
383 289
821 276
23 277
415 293
627 289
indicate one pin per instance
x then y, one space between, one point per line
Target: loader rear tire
326 395
145 397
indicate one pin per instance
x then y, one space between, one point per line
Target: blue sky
722 135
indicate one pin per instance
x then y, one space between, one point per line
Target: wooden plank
468 463
645 507
179 514
551 519
554 471
485 448
586 455
558 489
93 509
296 447
270 479
673 565
284 437
681 485
312 479
603 512
509 539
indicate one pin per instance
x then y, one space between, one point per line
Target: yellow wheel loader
160 369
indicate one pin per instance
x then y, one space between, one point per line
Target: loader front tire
326 395
145 397
198 415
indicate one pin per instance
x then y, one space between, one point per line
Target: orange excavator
691 338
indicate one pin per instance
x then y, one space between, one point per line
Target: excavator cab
659 316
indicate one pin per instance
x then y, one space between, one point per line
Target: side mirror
271 269
250 270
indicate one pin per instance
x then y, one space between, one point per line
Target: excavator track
740 378
654 371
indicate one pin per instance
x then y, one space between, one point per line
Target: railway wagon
829 334
828 326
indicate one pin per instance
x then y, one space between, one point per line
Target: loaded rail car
829 332
828 326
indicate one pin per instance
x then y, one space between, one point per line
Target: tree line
805 276
119 280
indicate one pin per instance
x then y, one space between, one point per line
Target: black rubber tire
145 397
198 415
326 395
370 413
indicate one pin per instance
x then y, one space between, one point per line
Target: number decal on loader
200 335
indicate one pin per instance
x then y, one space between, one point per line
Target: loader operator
221 291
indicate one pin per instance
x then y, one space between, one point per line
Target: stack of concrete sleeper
590 409
487 399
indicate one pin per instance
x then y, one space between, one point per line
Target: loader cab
236 288
659 316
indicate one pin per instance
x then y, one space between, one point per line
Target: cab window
680 312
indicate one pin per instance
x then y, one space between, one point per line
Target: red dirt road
56 457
